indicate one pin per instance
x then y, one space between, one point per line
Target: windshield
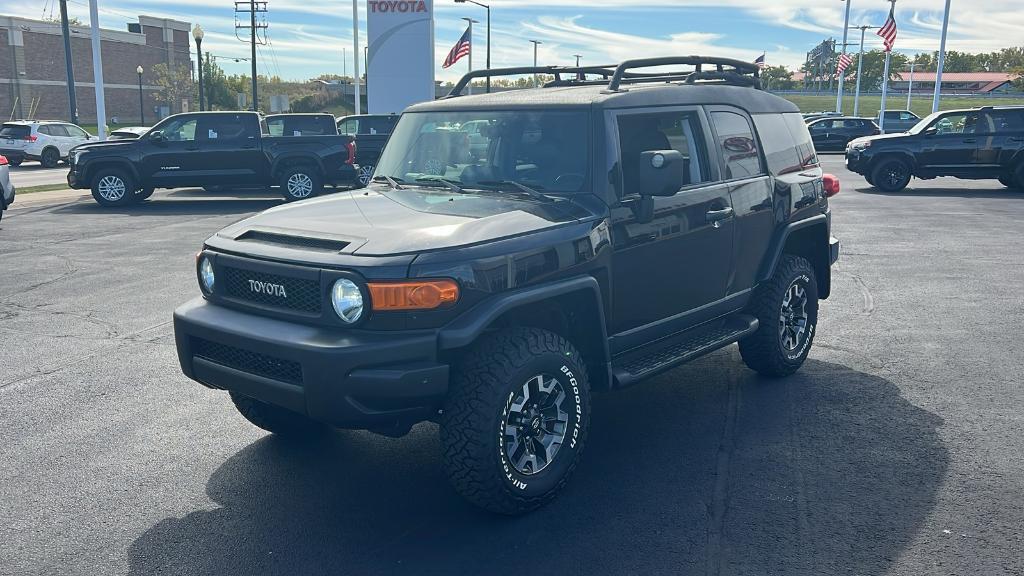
544 150
920 126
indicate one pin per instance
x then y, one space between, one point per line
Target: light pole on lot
535 44
860 67
482 5
941 62
470 21
910 86
142 106
197 33
842 75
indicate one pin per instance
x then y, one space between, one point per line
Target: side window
75 131
349 127
957 123
179 130
737 145
907 116
1001 121
680 131
786 142
222 128
275 126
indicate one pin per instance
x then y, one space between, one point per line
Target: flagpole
471 21
860 67
910 87
941 62
885 90
355 54
842 75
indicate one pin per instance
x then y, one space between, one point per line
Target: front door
677 258
170 153
953 147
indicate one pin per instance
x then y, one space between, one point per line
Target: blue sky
308 36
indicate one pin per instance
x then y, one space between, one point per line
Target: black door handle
719 215
970 140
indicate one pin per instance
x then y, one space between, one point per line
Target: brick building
33 73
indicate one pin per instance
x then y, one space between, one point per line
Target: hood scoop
321 244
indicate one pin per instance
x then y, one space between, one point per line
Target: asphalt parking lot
895 450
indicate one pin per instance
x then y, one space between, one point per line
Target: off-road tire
1018 176
274 418
891 175
472 428
764 350
105 187
300 182
49 158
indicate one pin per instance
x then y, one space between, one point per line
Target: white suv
45 141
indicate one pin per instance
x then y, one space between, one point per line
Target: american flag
844 62
888 30
460 49
761 63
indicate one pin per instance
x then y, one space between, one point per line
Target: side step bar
635 365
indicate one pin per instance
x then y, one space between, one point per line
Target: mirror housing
660 172
932 131
156 136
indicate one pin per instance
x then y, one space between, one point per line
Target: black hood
379 221
108 145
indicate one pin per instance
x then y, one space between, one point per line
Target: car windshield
543 150
924 122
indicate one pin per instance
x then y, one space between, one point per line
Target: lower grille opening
248 361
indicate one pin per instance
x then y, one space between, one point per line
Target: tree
874 68
175 85
777 78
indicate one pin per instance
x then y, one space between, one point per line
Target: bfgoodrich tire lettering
786 307
477 432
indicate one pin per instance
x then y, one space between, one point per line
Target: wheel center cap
535 423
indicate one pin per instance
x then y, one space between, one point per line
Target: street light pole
535 44
471 22
197 33
68 61
488 7
860 68
910 86
842 75
142 105
941 62
355 56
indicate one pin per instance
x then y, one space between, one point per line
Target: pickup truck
210 149
371 132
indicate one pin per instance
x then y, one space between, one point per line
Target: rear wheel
366 174
786 307
1018 176
891 175
300 182
274 418
50 158
113 187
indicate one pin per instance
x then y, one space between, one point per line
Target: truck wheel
50 158
274 418
300 182
113 187
515 420
1018 176
786 307
891 175
365 175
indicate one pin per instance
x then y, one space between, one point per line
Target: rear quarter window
785 141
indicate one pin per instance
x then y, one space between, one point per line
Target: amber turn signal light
419 295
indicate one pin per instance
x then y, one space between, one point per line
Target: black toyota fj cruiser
613 228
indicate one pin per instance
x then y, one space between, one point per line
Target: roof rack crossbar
739 69
556 71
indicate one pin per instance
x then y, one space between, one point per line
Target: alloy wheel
300 185
895 173
793 316
365 175
534 424
111 188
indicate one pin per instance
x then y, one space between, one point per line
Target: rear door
1003 137
229 144
56 137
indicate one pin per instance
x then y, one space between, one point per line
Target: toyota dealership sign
401 55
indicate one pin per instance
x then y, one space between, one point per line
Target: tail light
31 137
3 160
351 152
831 183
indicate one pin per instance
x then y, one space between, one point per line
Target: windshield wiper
451 185
531 192
392 182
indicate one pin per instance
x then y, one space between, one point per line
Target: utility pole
941 62
67 59
252 7
846 29
355 55
97 71
488 7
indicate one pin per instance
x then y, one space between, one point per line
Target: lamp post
535 44
142 105
910 86
860 67
470 21
197 33
482 5
846 30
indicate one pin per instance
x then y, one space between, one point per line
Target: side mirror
931 131
660 173
157 137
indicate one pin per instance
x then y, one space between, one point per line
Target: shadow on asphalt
158 206
998 191
829 471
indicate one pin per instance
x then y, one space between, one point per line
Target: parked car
835 133
211 149
371 132
302 125
46 141
127 133
608 235
897 121
978 143
815 115
6 186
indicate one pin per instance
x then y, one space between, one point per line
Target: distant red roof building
952 82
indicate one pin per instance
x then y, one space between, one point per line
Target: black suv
613 229
215 149
981 143
836 132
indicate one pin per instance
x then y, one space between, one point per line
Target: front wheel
112 187
516 420
891 175
300 182
786 307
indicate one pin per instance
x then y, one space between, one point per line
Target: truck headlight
206 276
347 300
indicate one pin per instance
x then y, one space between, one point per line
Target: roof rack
556 71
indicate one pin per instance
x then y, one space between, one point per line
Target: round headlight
347 300
206 274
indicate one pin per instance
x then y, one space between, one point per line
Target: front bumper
350 379
856 161
74 182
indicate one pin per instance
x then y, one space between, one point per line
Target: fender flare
774 254
469 326
112 162
276 166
